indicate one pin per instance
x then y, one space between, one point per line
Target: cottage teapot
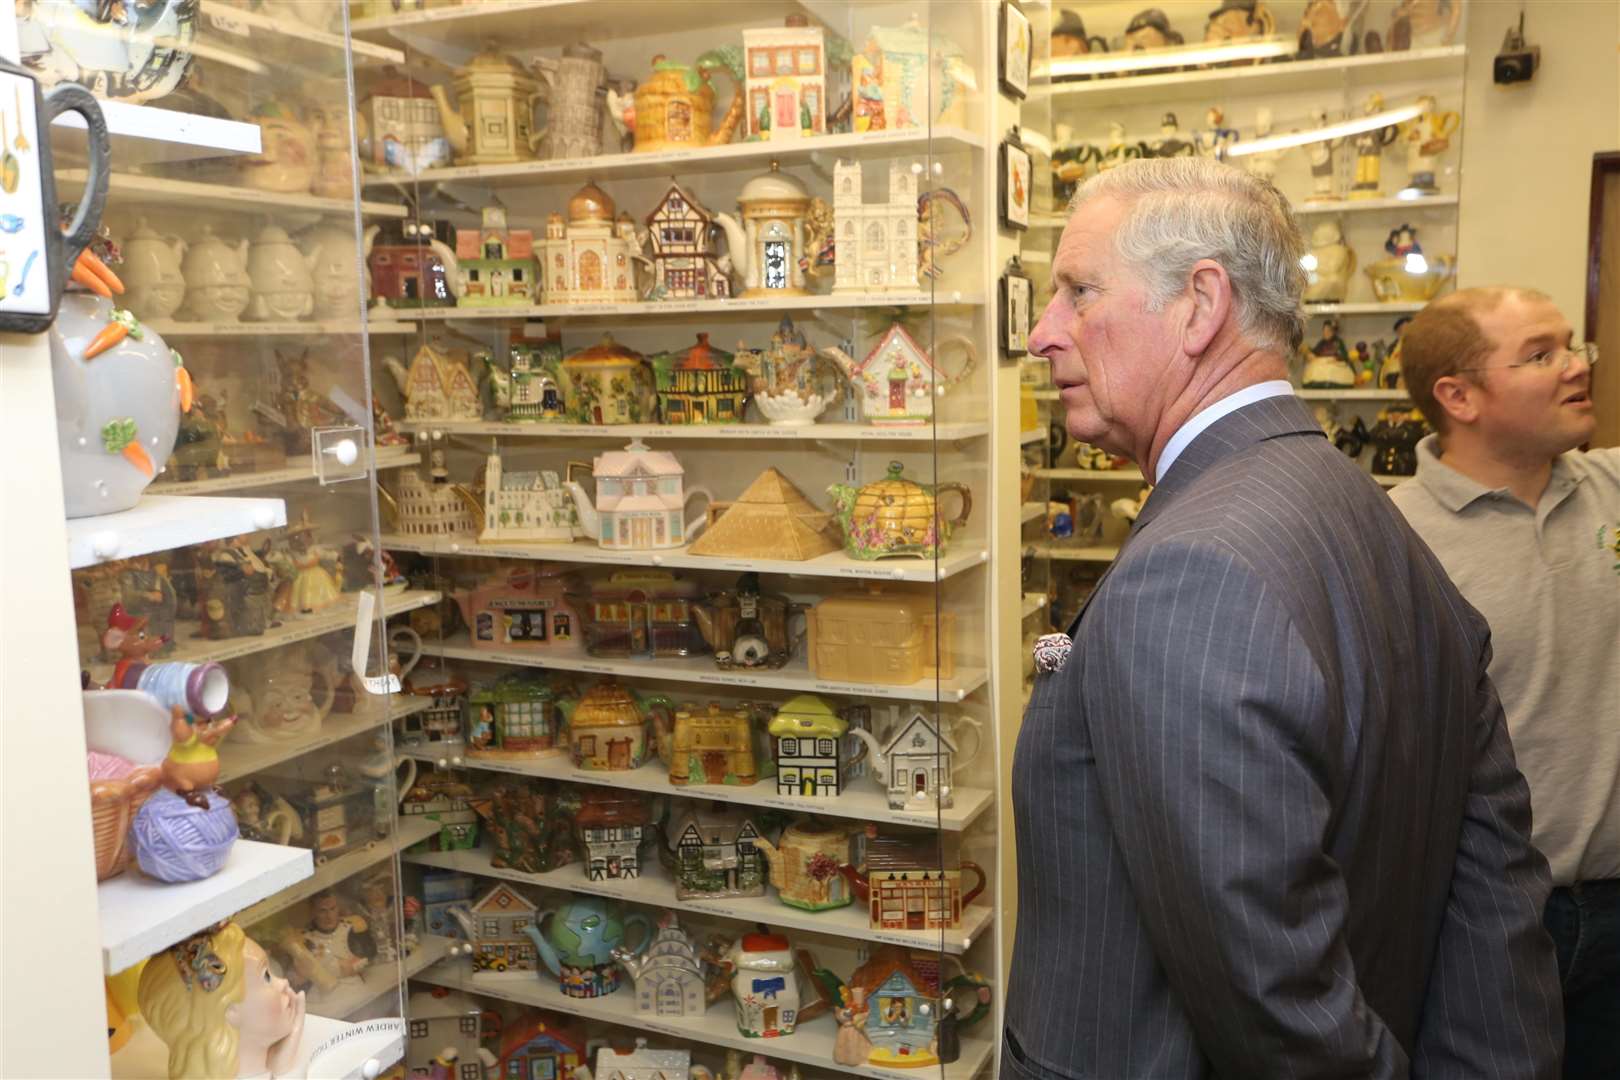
898 379
639 502
887 759
153 284
283 288
807 863
217 284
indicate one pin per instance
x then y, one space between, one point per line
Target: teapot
627 481
767 246
216 280
896 516
1406 274
334 174
1329 265
283 289
609 384
409 265
917 759
898 380
287 160
337 285
578 947
153 284
674 109
491 123
576 103
285 695
807 865
747 628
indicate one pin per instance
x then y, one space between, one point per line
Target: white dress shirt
1200 420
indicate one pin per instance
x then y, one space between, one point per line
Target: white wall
1527 150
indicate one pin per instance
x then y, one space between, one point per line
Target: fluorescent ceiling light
1341 130
1175 56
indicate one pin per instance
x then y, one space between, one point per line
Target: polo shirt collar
1454 491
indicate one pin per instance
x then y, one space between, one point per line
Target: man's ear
1458 398
1211 293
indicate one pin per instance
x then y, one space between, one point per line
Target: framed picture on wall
1017 42
1015 182
1017 309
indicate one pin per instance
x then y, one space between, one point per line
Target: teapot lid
704 357
772 186
606 351
493 59
272 234
895 483
590 203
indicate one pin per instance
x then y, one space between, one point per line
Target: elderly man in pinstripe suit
1269 822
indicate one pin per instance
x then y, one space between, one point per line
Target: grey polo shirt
1548 581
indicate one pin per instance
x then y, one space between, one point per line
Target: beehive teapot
896 516
674 108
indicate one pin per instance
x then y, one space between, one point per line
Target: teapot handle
71 97
967 501
973 893
696 525
636 918
403 787
413 642
539 97
968 365
964 757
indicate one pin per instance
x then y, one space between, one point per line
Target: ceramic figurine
898 379
126 638
710 746
1321 153
265 816
526 825
852 1047
1329 265
329 119
644 613
609 384
539 1044
496 265
585 935
1424 24
236 597
411 264
675 105
809 743
530 388
1069 38
640 503
700 386
292 407
192 995
1239 20
516 718
1150 29
712 854
289 155
313 586
1071 161
330 952
768 246
440 722
1322 28
1117 151
806 865
610 827
685 264
337 277
113 53
906 77
591 259
786 80
917 761
1264 164
149 595
792 385
640 1063
154 285
876 241
747 628
285 695
608 730
1394 437
913 881
669 975
765 985
896 517
1370 152
375 906
902 1009
397 127
576 100
1216 139
218 288
531 506
771 519
438 385
492 123
1406 274
283 290
1170 143
1427 137
1328 363
883 637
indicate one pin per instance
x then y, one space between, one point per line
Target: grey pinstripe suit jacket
1268 817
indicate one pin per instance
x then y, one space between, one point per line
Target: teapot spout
588 518
873 748
398 370
773 856
736 244
455 128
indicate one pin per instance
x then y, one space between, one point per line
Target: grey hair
1180 210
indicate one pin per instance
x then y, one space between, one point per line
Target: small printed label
225 20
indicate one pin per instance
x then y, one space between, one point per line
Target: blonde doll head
186 995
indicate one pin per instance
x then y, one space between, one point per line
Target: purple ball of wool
176 841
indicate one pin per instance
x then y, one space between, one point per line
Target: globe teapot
153 284
896 516
217 284
579 944
283 285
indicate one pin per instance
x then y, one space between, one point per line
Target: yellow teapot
674 109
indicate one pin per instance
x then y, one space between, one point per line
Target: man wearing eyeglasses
1528 527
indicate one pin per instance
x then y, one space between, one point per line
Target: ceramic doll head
323 912
215 1003
1168 124
1326 234
1262 121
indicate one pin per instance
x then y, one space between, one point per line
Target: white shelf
732 157
1371 307
146 134
1287 77
135 189
764 307
224 20
1363 394
163 522
1031 511
795 677
299 469
330 1050
834 564
339 616
1033 602
239 759
810 1044
655 888
1307 208
1075 553
407 831
1100 476
140 915
172 328
864 801
828 432
470 25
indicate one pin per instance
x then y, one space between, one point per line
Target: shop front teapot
154 287
217 284
896 516
283 285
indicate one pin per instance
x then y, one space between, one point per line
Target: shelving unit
674 310
1100 476
239 759
822 432
140 190
405 833
170 328
290 33
298 470
161 522
1101 553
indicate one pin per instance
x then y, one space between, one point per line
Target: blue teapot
578 945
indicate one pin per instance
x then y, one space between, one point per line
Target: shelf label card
223 19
